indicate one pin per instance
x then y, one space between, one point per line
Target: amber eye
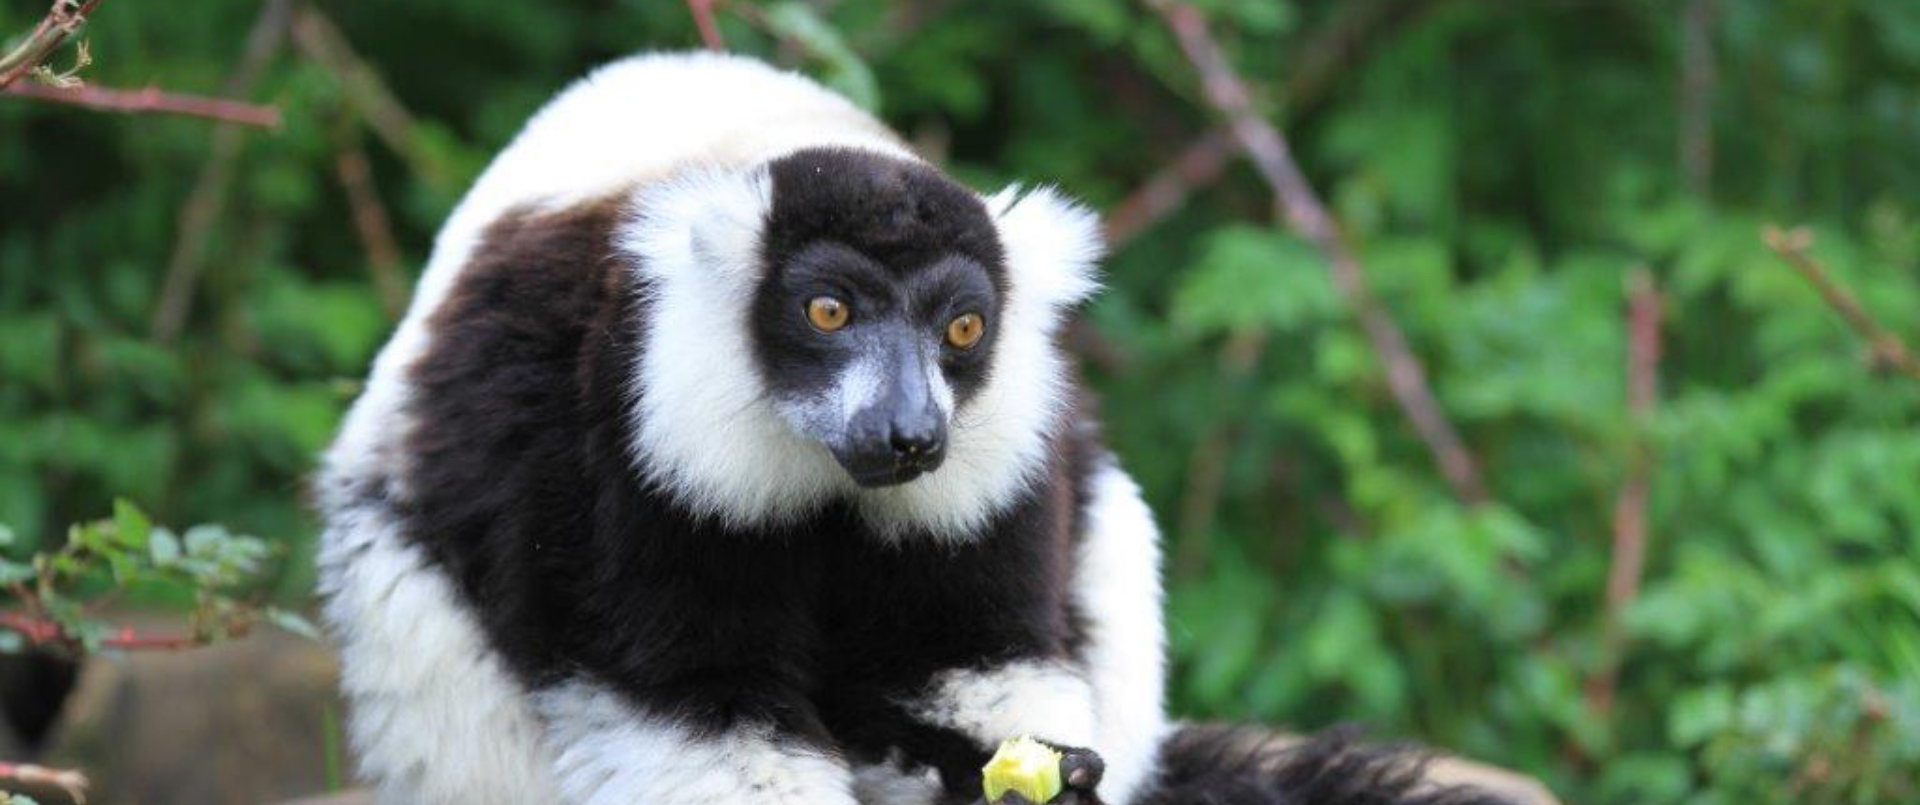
827 313
965 331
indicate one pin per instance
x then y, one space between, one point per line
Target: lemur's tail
1212 765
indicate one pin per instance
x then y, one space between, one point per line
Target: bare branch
1630 507
207 201
152 100
702 11
1888 349
319 39
1202 162
1302 209
1167 190
44 632
72 783
374 227
63 20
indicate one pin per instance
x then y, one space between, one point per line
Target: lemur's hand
1080 771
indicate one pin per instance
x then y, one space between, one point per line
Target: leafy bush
1501 167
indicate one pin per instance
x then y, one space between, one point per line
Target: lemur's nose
916 440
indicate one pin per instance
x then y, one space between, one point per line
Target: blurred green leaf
1253 277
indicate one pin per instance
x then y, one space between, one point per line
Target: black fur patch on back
1216 765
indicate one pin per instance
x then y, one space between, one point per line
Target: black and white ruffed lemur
726 456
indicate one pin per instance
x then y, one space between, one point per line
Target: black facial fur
907 250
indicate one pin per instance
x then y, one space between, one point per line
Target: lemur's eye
965 330
827 313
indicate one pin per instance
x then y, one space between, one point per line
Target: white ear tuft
1053 246
705 218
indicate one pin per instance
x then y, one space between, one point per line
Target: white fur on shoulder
433 717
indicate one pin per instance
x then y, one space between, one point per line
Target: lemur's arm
1047 699
1117 591
1107 696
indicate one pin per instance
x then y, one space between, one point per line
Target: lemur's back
630 122
644 117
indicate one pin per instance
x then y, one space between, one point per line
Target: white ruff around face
707 431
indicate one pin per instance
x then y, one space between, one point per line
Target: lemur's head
875 313
846 323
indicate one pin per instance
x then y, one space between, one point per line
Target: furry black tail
1209 765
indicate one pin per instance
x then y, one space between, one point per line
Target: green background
1501 167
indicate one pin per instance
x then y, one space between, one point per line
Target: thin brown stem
373 225
702 11
320 40
1204 160
153 100
1888 349
207 201
44 632
1301 208
1630 521
1168 189
62 21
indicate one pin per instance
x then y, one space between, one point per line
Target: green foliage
1500 168
58 590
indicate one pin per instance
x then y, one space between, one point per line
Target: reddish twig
1204 160
70 782
152 100
1630 507
702 11
1888 349
43 632
374 227
62 21
1302 209
1167 190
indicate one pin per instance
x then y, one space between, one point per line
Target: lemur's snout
904 434
918 440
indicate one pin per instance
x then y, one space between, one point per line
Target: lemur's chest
848 607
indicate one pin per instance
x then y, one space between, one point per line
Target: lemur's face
875 318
